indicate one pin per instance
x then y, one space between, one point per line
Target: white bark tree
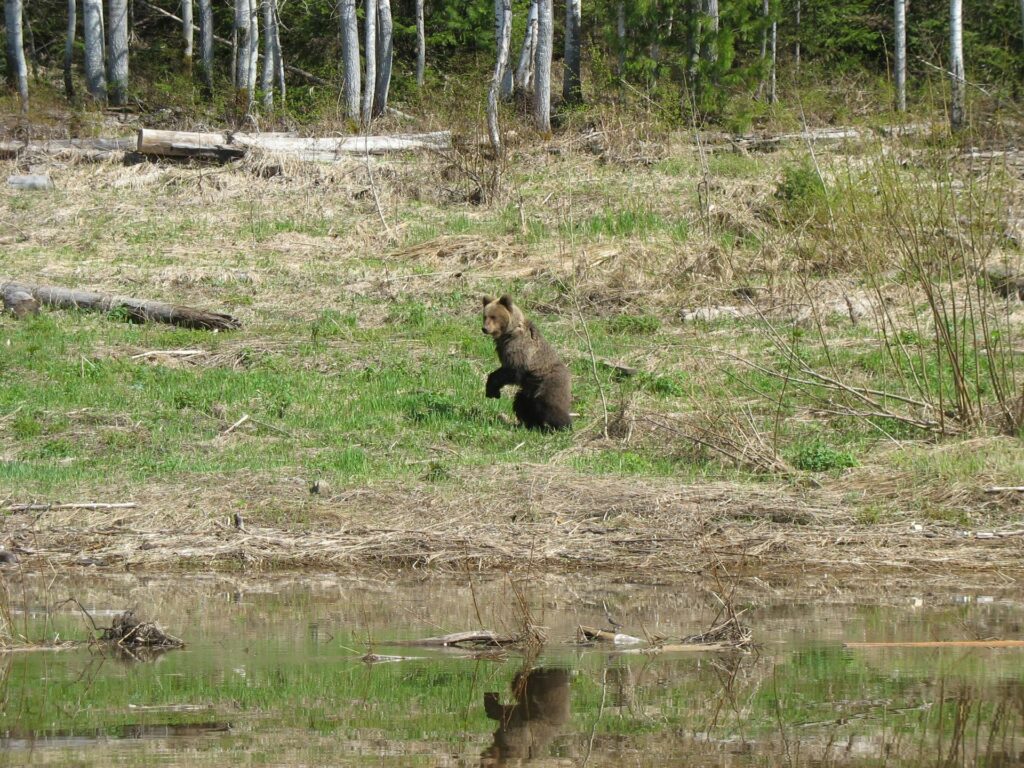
247 53
421 45
772 95
370 56
69 49
117 50
571 88
92 34
186 31
524 69
241 45
709 42
206 43
542 66
254 48
900 23
385 54
956 64
503 19
279 56
269 66
16 49
350 56
497 80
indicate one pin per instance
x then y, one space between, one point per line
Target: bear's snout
484 329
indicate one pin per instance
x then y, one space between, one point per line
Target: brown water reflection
539 714
272 675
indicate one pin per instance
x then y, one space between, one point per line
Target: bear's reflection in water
527 728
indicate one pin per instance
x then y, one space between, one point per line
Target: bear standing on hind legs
529 361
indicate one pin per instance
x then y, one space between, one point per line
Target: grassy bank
808 329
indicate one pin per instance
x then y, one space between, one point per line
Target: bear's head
501 316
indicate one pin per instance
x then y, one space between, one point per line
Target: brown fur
529 361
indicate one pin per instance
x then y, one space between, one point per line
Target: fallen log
593 634
138 310
209 146
30 182
97 149
482 638
942 644
224 146
18 301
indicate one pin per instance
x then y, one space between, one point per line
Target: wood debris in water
483 638
129 632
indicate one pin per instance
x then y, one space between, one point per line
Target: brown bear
529 361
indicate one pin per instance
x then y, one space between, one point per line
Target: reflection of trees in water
527 727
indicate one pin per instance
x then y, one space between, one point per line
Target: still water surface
272 675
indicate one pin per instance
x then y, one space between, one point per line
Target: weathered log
32 182
212 146
138 310
325 149
19 302
479 638
99 148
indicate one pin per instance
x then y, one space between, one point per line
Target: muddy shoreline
534 520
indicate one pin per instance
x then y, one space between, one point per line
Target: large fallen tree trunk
138 310
228 145
95 149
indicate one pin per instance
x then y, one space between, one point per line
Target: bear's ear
506 302
488 300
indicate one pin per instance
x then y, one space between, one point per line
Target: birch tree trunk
241 43
775 49
956 64
765 13
16 50
497 80
92 34
206 43
186 31
278 55
696 27
542 66
503 20
117 50
524 69
69 49
900 23
370 56
254 48
269 68
421 44
385 54
572 92
709 43
350 56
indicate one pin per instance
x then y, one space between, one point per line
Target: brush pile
129 632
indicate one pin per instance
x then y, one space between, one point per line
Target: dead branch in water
484 638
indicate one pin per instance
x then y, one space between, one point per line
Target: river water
273 674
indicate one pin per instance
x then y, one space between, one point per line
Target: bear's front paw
494 392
